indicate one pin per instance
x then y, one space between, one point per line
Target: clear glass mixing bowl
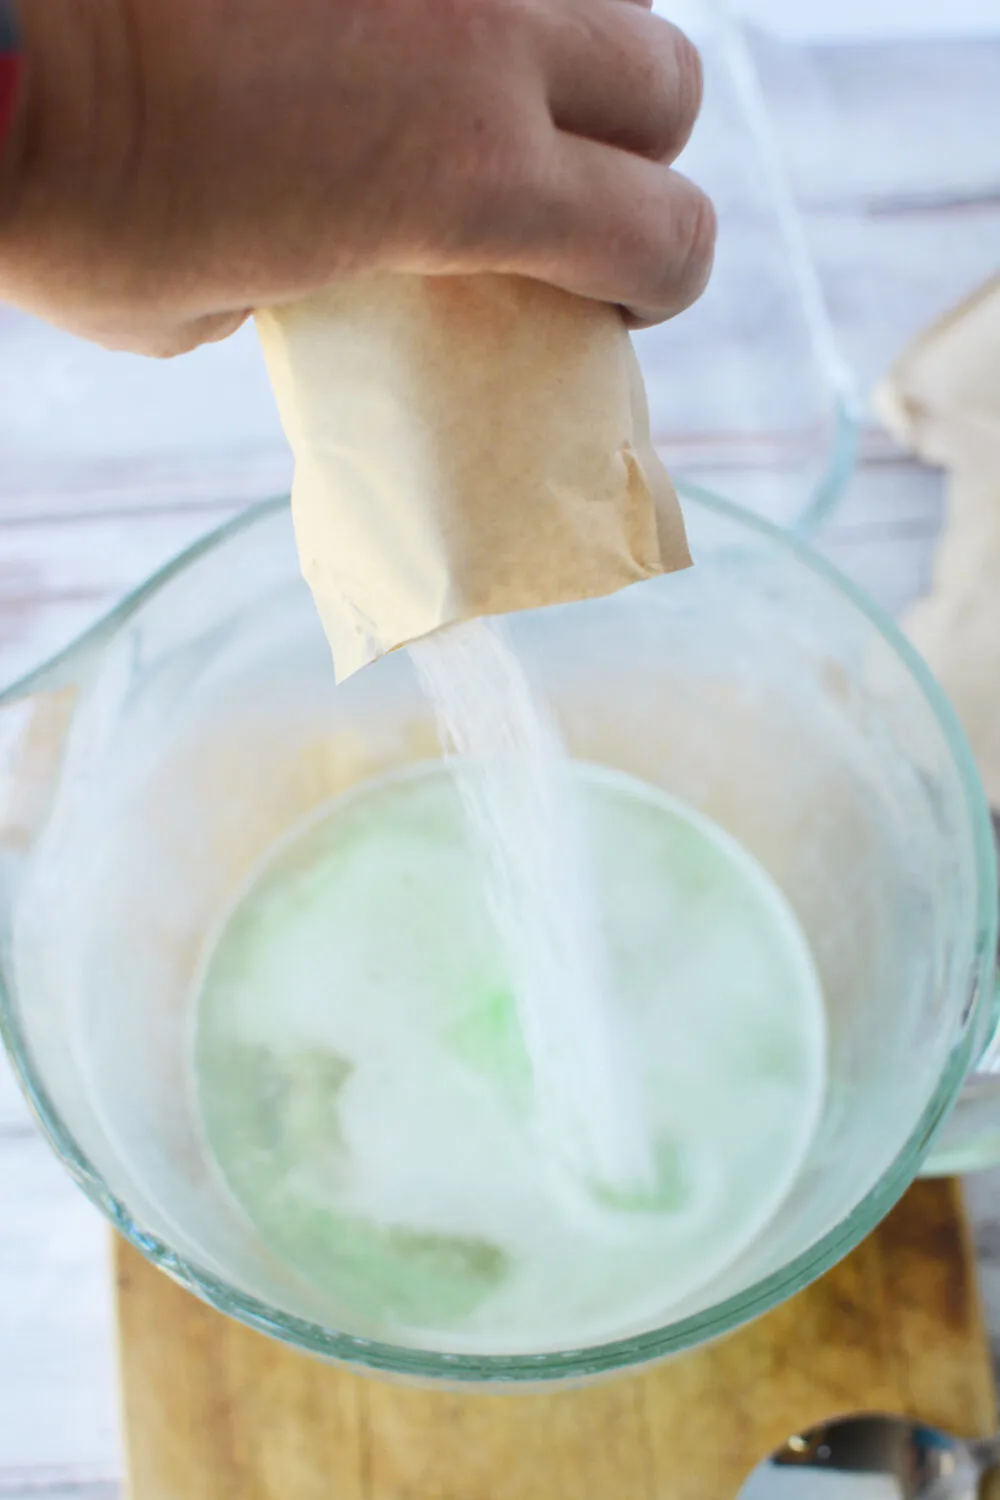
159 756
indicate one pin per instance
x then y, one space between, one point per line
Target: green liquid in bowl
367 1098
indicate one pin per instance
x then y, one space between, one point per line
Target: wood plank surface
215 1411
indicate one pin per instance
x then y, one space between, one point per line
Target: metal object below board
876 1458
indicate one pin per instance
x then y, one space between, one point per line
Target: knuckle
690 78
506 162
681 88
503 189
697 235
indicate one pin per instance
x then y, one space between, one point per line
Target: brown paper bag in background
942 399
464 446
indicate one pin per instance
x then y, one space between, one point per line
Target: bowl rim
619 1354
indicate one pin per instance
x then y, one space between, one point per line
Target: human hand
175 163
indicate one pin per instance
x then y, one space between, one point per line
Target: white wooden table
907 225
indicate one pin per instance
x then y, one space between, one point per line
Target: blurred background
853 147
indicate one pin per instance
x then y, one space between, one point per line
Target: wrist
11 74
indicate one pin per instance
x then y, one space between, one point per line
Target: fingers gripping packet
464 446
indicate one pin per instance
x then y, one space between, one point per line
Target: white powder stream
508 761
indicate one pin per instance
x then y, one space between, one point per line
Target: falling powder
509 765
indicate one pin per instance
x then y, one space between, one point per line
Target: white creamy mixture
368 1095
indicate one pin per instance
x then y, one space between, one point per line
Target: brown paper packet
942 399
464 446
942 396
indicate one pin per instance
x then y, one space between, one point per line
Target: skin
175 163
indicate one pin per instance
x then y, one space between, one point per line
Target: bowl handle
970 1138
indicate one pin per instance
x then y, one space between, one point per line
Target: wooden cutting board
216 1412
